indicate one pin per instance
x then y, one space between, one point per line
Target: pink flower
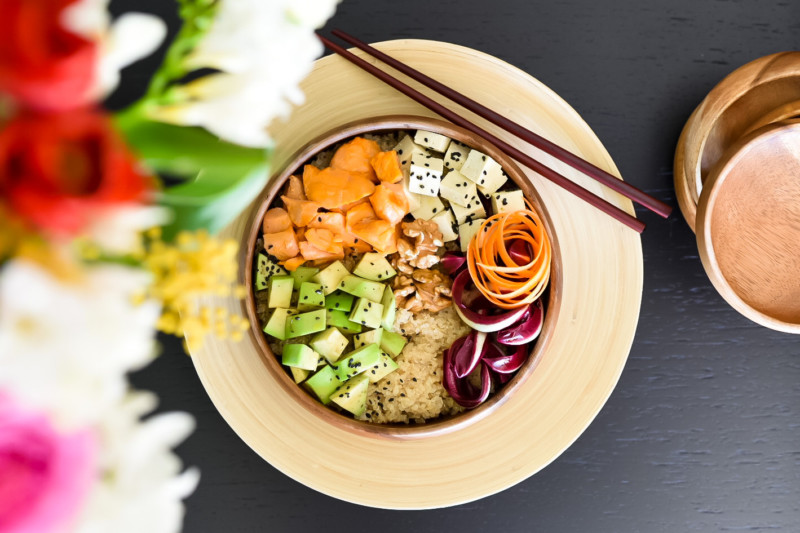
44 475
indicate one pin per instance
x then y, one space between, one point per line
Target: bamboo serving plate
761 92
748 226
601 269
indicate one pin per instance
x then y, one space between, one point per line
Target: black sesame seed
413 379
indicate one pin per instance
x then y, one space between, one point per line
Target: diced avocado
382 368
310 296
268 268
331 276
392 343
368 337
352 395
280 291
330 344
389 309
341 320
371 290
299 374
299 356
367 313
305 323
302 274
356 362
323 383
374 266
276 325
339 300
261 281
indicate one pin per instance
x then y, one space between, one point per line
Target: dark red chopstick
612 182
528 161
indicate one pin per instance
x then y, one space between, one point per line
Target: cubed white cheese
447 225
434 141
413 199
506 201
456 155
404 149
429 207
467 230
494 178
487 173
474 209
457 189
425 174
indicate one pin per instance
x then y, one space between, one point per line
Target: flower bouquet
107 235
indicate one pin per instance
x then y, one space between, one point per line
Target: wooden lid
748 226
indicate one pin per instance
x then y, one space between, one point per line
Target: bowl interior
750 216
401 431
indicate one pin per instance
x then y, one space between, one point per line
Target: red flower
42 64
56 169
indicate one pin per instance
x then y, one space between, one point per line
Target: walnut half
423 290
419 253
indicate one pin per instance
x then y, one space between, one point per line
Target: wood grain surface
702 432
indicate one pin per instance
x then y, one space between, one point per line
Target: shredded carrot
495 273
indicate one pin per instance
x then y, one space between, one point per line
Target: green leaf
213 199
221 178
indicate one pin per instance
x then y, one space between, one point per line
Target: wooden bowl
748 226
761 92
296 393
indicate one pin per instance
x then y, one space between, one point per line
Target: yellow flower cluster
193 267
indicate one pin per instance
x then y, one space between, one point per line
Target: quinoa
414 392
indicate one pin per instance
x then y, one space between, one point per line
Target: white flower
118 229
133 36
140 484
65 347
264 49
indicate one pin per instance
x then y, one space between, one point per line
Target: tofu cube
468 230
425 174
433 141
457 189
429 207
456 155
484 171
413 199
447 225
508 201
474 209
404 149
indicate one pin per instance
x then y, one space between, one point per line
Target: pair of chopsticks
523 133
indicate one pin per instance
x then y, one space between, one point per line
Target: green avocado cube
341 320
280 291
322 384
339 300
368 337
300 356
268 267
303 274
362 288
352 395
299 374
389 309
356 362
331 276
261 281
367 313
385 366
375 267
310 296
305 323
392 343
276 325
330 344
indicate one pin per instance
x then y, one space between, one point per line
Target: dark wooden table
702 432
